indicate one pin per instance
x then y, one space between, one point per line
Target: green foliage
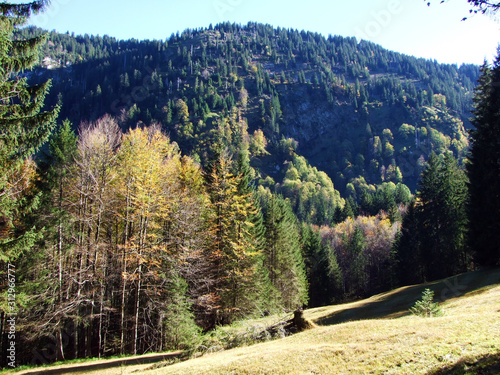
323 273
24 128
180 330
149 246
384 90
426 308
361 261
234 252
283 257
311 192
433 240
483 169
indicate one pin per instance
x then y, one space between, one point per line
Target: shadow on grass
396 303
86 367
489 364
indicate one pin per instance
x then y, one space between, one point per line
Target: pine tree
484 169
24 128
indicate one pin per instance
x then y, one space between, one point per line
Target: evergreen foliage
426 308
24 128
195 82
433 241
286 180
484 169
323 274
283 256
234 253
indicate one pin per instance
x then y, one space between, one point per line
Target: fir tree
266 293
283 254
24 128
322 269
356 277
432 242
484 169
407 247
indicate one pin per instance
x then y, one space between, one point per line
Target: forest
151 191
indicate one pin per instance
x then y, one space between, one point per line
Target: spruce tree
407 247
24 128
429 218
283 256
356 278
484 169
266 293
233 253
323 273
47 267
432 243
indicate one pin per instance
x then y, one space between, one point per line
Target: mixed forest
151 191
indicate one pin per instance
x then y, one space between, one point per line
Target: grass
374 336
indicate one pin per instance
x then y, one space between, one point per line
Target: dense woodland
153 190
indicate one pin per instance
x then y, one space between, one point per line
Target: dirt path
99 366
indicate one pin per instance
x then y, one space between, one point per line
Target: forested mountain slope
231 172
364 115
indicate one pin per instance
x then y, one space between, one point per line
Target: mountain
323 118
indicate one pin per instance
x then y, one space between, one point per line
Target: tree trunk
137 305
59 346
124 271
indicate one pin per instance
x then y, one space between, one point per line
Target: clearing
373 336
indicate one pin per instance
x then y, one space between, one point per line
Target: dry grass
375 336
466 337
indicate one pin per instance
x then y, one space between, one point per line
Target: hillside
229 173
372 336
360 113
465 337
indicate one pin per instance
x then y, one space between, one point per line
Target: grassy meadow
372 336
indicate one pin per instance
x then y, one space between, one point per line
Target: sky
407 26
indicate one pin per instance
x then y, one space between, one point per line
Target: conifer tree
407 247
484 169
321 267
146 180
44 271
266 295
233 253
432 242
356 277
24 128
56 218
283 254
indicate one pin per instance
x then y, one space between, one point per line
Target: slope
375 336
466 336
360 113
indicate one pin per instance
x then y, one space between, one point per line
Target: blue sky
407 26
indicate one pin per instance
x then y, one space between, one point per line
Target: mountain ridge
363 114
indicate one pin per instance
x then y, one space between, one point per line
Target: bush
425 307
